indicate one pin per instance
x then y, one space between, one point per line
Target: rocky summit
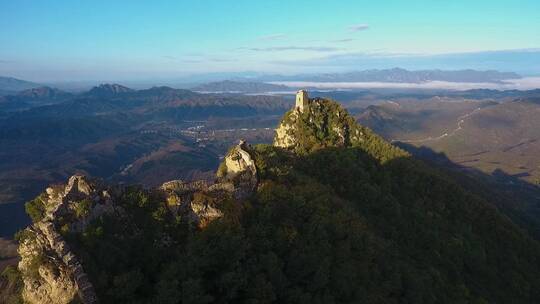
330 213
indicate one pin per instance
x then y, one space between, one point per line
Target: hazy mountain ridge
240 86
14 84
27 99
111 97
49 134
398 75
108 90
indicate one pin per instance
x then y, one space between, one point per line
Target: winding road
460 121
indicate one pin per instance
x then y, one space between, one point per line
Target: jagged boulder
82 200
46 278
239 169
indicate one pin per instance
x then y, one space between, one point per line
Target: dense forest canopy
335 219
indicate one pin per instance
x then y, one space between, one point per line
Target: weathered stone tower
302 100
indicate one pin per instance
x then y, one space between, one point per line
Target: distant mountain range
43 93
32 97
397 75
252 82
240 86
10 85
260 83
107 90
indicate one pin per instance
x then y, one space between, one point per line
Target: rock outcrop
239 169
46 277
197 201
50 271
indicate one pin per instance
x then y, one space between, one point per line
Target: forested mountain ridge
331 213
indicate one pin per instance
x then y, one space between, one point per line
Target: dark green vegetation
358 223
340 220
35 208
10 281
494 142
10 286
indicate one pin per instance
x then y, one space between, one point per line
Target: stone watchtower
302 100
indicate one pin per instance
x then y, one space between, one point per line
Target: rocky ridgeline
51 272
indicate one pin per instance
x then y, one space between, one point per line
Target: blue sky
130 40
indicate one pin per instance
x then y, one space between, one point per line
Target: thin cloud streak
272 37
358 27
292 48
192 61
342 40
220 60
206 60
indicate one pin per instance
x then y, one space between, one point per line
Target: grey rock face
50 270
239 169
